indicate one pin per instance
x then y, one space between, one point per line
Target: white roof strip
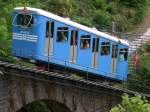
74 24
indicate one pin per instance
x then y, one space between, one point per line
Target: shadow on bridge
44 106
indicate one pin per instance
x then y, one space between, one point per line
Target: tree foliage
132 104
4 41
37 106
93 13
147 47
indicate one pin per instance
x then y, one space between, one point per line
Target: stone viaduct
21 85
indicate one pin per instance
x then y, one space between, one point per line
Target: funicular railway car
45 37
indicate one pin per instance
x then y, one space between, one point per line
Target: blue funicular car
45 37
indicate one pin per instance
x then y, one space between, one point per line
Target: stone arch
52 106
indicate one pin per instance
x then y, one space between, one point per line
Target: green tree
139 5
132 104
147 47
102 19
60 7
4 41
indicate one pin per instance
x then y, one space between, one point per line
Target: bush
140 6
99 4
102 19
112 8
134 3
4 42
133 104
122 23
147 47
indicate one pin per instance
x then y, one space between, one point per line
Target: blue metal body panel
61 53
122 66
25 40
61 49
104 61
84 55
42 35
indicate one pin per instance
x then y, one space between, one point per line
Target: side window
52 29
25 20
62 34
123 54
105 48
49 29
85 42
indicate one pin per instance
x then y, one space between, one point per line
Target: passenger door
95 48
49 38
114 58
73 46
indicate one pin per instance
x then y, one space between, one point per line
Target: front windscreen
24 20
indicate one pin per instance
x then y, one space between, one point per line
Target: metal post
87 75
49 31
113 27
65 67
124 83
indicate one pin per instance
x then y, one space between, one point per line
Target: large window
62 34
105 48
123 54
24 20
85 42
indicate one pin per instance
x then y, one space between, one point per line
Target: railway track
7 69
